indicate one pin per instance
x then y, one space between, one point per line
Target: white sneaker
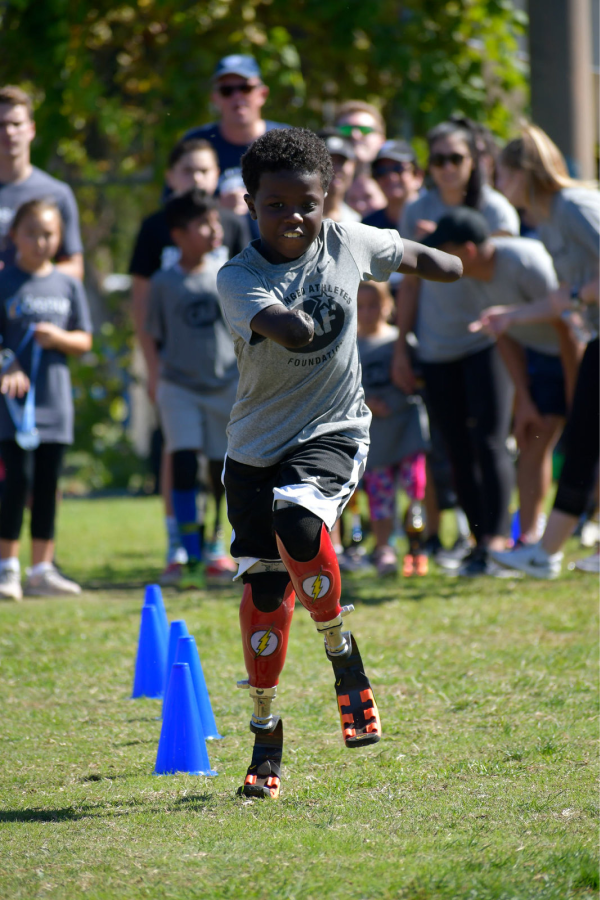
49 583
588 564
10 584
531 559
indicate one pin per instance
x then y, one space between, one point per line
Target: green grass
483 787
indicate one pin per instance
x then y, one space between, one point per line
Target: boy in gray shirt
196 363
299 430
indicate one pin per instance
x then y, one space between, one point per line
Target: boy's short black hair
286 149
183 209
190 146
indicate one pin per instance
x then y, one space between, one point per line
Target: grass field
483 788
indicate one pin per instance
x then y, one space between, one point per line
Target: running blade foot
263 778
359 716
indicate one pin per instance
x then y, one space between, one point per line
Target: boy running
299 430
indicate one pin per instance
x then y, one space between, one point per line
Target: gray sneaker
49 583
10 585
531 559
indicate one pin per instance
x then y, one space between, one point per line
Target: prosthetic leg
265 617
317 584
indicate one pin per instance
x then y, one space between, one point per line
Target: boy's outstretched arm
292 328
433 265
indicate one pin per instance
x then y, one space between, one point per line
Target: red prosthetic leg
318 586
264 640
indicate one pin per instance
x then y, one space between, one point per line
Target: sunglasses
439 160
228 90
347 130
399 168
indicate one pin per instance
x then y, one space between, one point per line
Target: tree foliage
117 83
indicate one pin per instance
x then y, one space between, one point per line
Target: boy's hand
430 264
14 382
48 336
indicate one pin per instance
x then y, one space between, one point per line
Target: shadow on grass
105 809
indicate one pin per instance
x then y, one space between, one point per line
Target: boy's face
197 169
288 207
200 236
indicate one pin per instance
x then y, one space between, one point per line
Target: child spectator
299 431
44 317
398 435
195 360
192 163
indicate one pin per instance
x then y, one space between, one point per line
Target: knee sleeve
299 530
185 470
316 580
265 632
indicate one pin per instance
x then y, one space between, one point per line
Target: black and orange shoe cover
263 778
358 710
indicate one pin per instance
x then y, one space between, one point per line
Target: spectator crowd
472 385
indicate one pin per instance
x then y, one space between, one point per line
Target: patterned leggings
381 484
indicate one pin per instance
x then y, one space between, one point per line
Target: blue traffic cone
153 597
178 629
151 659
182 747
188 652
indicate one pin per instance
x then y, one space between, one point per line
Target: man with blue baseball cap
239 94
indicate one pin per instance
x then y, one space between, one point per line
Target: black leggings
582 445
30 470
472 403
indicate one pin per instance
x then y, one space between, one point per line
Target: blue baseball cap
236 64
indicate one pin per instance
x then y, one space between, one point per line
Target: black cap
459 226
399 151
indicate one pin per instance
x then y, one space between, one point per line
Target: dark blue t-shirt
229 154
39 186
25 300
379 219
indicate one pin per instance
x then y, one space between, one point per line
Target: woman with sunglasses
533 174
468 390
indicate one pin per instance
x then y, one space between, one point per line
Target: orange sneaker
408 565
421 564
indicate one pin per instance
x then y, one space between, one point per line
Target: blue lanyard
23 416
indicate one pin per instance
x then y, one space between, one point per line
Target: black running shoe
359 716
263 778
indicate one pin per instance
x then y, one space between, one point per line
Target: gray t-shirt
405 431
445 310
25 300
184 318
523 273
571 236
288 397
39 186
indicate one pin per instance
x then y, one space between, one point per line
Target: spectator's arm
51 337
140 294
407 301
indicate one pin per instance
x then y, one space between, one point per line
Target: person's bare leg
382 530
534 474
41 551
9 549
432 509
166 482
559 528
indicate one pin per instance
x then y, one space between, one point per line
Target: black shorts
320 476
546 383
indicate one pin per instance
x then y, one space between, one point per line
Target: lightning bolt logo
316 588
264 642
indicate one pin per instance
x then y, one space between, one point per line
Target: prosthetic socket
318 587
265 640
